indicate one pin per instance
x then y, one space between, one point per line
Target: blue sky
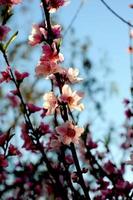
108 34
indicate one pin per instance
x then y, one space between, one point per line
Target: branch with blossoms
66 156
49 66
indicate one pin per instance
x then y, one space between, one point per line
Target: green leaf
107 139
10 40
58 44
1 47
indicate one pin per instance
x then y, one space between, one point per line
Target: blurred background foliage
97 85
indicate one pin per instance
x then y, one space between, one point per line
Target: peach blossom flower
69 133
5 75
50 102
50 53
53 5
36 36
46 68
15 1
72 98
49 60
72 75
20 76
9 2
56 29
40 33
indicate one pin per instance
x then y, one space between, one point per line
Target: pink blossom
3 161
20 76
68 76
9 2
126 145
69 133
109 167
3 32
38 189
15 1
13 151
46 68
28 143
72 98
14 100
126 102
56 29
128 113
90 143
5 75
49 60
40 33
32 108
130 134
106 193
56 32
2 176
36 36
14 92
50 53
123 186
18 181
50 102
44 128
72 75
53 5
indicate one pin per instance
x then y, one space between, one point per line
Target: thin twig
116 14
47 15
73 19
80 175
64 113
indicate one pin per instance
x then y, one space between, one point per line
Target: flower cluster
69 133
50 67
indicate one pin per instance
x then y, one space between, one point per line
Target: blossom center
71 132
70 100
